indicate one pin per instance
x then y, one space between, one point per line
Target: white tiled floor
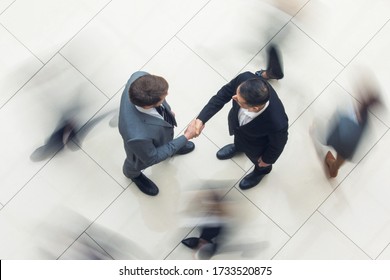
78 204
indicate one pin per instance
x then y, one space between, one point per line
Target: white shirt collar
151 111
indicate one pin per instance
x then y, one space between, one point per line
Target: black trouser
259 170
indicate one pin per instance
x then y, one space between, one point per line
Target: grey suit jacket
148 140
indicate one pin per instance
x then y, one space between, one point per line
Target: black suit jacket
265 136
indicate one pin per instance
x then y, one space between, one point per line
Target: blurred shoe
188 148
146 185
264 74
191 242
329 161
227 152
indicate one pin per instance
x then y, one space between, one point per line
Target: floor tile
156 217
290 7
85 248
48 25
101 140
55 207
228 34
216 130
4 4
351 22
123 43
385 255
317 240
72 58
153 217
251 234
359 207
32 115
18 65
370 68
290 193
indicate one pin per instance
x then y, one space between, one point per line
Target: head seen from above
252 95
148 91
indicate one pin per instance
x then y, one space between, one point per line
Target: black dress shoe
227 152
254 178
191 242
188 148
145 185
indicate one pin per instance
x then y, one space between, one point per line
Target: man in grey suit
146 124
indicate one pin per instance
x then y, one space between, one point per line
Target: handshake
194 129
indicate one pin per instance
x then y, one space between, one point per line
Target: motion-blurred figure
347 133
348 127
65 131
214 225
67 127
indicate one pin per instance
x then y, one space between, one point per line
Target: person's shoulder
136 75
277 116
242 77
247 75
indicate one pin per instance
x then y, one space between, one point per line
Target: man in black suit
257 120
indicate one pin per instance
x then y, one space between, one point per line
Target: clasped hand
194 129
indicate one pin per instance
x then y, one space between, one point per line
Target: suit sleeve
223 96
149 154
277 141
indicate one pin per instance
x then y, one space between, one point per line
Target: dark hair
254 91
148 90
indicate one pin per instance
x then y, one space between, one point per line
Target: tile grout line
316 98
30 179
346 236
333 80
318 44
50 59
93 221
86 233
368 42
384 249
351 171
201 58
265 214
357 100
82 28
59 150
347 175
178 38
272 220
280 30
85 77
317 209
32 76
7 8
101 167
20 42
175 35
